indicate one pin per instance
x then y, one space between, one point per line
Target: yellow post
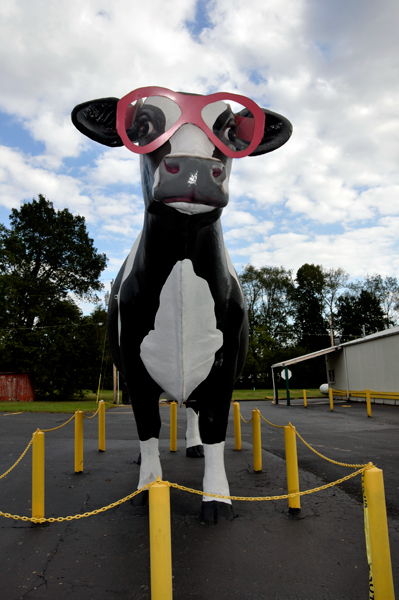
305 400
160 542
237 425
368 400
38 475
78 441
291 458
101 426
330 393
256 440
173 427
380 556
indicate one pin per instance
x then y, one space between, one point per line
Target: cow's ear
97 120
278 130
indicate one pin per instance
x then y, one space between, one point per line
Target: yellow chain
184 489
335 462
55 428
20 458
282 497
272 424
75 517
242 418
92 416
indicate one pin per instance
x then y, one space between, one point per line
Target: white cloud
330 67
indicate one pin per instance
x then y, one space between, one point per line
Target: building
369 362
16 387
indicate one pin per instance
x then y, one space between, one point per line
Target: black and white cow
177 321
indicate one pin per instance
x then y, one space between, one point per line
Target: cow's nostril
172 167
216 172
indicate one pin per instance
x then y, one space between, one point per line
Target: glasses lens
231 122
148 118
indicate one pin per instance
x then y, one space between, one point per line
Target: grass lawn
88 404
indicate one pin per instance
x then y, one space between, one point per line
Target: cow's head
186 141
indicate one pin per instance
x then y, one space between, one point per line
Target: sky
329 196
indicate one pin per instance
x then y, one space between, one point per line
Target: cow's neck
169 237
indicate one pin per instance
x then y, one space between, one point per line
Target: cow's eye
230 133
145 127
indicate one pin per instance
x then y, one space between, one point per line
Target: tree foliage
47 262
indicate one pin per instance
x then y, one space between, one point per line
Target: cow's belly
180 351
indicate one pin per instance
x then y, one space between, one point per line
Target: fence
376 527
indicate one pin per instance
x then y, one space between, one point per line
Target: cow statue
177 320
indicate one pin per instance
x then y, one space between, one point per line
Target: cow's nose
173 165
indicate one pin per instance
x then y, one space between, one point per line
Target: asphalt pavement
265 553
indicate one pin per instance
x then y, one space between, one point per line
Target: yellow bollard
291 459
305 400
160 541
101 426
380 556
173 427
368 400
256 440
330 393
38 475
78 441
237 425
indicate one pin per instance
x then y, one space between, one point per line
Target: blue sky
329 196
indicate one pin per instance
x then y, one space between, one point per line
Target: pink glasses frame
191 107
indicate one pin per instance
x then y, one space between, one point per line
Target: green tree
268 293
386 290
356 312
46 260
310 323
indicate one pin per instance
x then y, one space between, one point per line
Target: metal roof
369 338
291 361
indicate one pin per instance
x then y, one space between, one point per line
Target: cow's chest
180 351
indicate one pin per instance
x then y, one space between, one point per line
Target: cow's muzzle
193 180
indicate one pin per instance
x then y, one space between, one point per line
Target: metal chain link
20 458
272 424
92 416
335 462
63 425
264 498
242 419
184 489
75 517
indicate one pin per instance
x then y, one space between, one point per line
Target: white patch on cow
150 467
126 273
180 351
190 140
193 437
215 480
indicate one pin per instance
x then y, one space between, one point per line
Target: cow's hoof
214 511
141 499
195 451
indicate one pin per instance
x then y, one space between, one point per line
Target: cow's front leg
194 447
150 467
213 432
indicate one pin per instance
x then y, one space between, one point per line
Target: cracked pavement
263 554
